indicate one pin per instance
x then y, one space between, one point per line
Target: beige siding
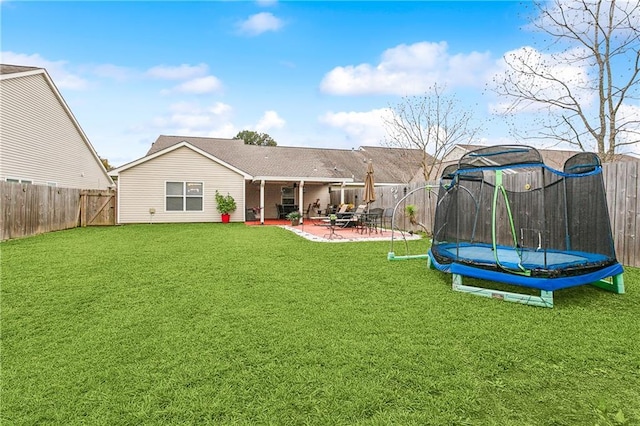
39 141
142 187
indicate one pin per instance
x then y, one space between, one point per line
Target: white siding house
177 184
178 177
40 140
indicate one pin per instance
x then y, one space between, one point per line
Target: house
553 158
40 140
176 181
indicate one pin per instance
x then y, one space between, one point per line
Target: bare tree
433 123
582 84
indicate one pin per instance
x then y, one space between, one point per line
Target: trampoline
503 215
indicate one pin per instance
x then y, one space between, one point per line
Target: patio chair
343 212
281 212
387 215
354 218
373 219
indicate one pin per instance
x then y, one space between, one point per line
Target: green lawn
229 324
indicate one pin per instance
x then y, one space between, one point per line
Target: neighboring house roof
9 72
391 165
554 158
10 69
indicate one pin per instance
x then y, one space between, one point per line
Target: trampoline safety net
502 208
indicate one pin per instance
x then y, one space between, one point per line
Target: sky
311 74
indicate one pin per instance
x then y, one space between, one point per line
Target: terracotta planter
295 222
226 217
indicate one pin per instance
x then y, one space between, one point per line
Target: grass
228 324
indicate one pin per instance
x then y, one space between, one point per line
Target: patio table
371 222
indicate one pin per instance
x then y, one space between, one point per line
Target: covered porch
268 199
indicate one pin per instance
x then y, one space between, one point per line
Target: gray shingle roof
555 158
391 165
12 69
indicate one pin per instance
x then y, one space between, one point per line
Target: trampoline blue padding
511 258
547 284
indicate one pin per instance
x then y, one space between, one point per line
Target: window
288 195
184 196
17 180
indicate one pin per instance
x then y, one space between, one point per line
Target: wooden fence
34 209
27 210
622 192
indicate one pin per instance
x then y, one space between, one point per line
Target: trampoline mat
511 258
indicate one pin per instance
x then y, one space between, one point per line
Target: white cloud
409 70
193 119
581 19
270 120
260 23
199 86
180 72
220 109
114 72
58 71
364 128
563 67
630 116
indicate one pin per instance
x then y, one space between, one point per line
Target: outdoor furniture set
360 220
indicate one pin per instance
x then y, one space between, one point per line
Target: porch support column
301 200
262 202
342 193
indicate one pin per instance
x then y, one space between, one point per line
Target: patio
321 233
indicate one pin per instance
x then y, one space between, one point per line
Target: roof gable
8 72
182 144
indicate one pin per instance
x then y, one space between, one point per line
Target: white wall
143 187
39 140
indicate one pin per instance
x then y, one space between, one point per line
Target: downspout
301 200
118 200
262 202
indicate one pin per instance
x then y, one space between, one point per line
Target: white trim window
184 196
18 180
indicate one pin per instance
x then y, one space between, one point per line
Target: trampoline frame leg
615 285
545 299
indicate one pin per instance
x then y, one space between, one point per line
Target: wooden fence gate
27 210
97 208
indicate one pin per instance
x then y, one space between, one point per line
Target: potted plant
226 205
412 212
332 219
294 217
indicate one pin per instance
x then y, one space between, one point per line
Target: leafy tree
581 85
106 164
433 123
254 138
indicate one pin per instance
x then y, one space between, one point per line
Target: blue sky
307 73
